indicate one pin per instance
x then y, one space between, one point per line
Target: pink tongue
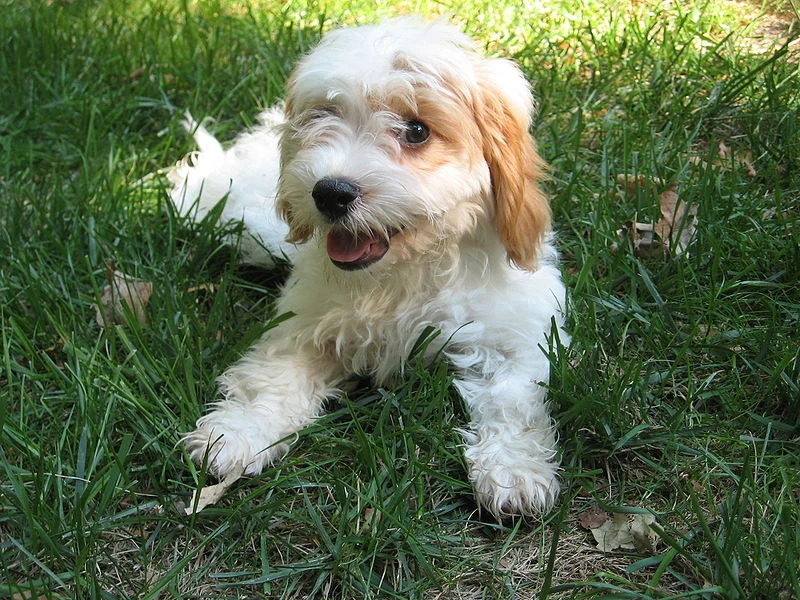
344 248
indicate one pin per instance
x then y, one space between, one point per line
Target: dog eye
415 133
322 112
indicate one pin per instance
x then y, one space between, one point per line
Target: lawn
678 400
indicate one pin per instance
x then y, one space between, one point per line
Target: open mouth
351 253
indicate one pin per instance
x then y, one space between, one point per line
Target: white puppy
408 182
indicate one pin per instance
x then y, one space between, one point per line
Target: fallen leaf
678 221
644 239
203 287
673 231
122 293
211 494
644 538
370 518
137 74
727 158
631 183
27 596
626 531
696 485
593 517
748 165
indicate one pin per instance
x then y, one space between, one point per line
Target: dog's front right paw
227 441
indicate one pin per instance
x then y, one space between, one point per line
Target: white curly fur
469 249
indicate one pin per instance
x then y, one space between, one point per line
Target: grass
679 396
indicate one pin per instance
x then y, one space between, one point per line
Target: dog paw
227 441
511 481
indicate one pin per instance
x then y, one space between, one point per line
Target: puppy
407 184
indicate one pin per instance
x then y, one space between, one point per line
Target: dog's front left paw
229 440
512 478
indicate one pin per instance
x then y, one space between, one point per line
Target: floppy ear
298 233
503 114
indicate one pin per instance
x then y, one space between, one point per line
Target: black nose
333 197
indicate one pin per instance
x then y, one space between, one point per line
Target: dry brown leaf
645 241
203 287
626 531
370 518
728 158
631 183
122 293
593 517
698 487
644 537
673 231
678 221
748 165
137 74
211 494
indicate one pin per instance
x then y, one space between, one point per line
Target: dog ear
503 114
297 233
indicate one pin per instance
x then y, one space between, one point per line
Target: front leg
511 442
274 391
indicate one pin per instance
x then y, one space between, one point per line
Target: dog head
401 138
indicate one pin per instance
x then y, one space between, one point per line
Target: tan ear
297 233
503 114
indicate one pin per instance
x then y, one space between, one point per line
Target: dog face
400 138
